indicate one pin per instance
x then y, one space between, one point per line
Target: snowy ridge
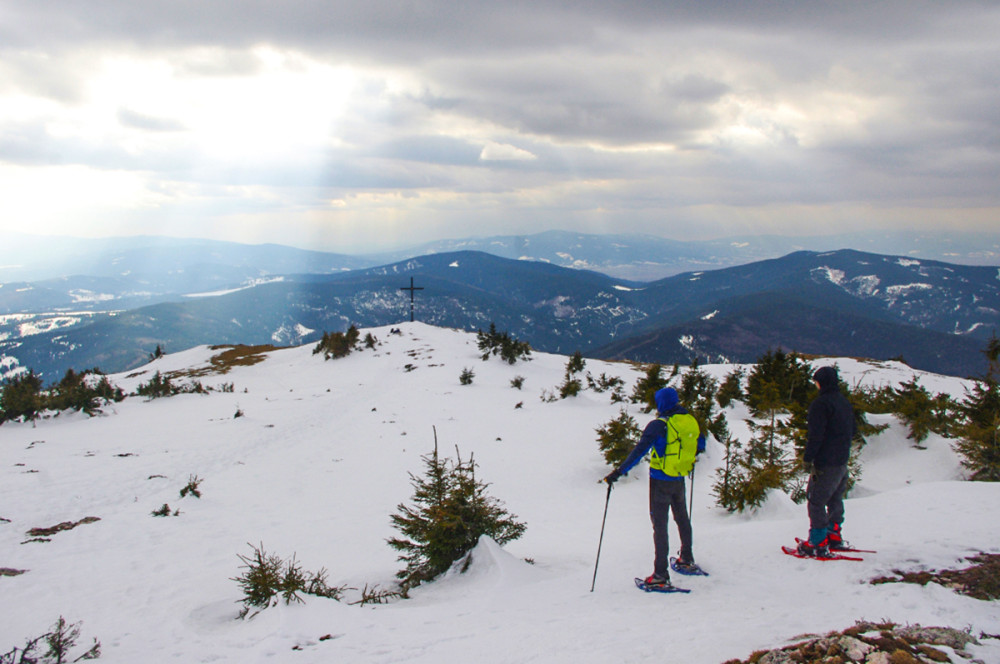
321 458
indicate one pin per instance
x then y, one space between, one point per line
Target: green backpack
682 446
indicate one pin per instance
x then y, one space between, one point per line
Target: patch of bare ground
980 580
58 528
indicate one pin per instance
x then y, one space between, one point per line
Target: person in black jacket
831 429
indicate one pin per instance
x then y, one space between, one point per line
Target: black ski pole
601 541
691 503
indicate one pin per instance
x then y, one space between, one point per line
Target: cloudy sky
355 125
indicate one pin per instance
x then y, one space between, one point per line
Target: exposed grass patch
239 355
981 580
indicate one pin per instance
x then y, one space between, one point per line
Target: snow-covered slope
321 458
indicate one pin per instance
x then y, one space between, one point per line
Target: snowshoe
687 569
658 586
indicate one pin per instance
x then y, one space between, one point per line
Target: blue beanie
666 399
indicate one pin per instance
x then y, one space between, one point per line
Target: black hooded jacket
831 423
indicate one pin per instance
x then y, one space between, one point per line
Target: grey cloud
135 120
553 77
453 26
430 149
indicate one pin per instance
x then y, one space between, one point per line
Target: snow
906 289
81 295
252 283
321 459
835 276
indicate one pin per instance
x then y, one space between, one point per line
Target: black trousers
825 495
665 495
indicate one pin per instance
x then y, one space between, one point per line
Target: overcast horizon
363 127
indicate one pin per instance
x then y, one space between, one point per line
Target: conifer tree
778 381
507 347
572 385
21 396
913 405
697 394
731 388
617 437
979 441
338 344
158 386
646 387
451 511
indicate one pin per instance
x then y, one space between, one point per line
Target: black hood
827 378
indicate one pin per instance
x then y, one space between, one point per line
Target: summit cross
412 289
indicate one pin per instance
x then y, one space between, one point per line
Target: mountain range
935 316
154 267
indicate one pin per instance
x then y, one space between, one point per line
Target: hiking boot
811 550
658 581
683 565
835 541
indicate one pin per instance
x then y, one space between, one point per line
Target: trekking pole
601 541
691 503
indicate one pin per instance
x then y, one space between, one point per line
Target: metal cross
411 288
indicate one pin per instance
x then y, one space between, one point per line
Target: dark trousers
665 495
825 495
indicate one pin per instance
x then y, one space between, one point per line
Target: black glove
613 476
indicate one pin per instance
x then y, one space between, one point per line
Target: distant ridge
937 316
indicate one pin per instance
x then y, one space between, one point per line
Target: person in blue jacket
831 427
672 439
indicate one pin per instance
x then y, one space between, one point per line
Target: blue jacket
655 435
